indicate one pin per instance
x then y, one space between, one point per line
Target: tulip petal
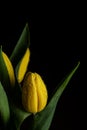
29 93
6 71
22 66
9 68
41 92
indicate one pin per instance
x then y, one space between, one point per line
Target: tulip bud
23 65
9 68
34 93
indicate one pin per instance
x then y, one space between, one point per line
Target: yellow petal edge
9 69
23 65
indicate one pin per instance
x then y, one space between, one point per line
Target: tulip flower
29 91
34 93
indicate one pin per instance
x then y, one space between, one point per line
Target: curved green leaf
4 106
42 120
21 46
18 115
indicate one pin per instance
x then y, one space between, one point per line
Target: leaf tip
78 64
26 24
1 47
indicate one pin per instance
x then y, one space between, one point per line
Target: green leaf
4 106
42 120
4 76
21 46
18 115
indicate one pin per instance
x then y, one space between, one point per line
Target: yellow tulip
9 68
23 65
34 93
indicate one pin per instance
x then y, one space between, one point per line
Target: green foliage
20 48
41 120
19 115
4 106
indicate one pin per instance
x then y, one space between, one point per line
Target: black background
55 35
